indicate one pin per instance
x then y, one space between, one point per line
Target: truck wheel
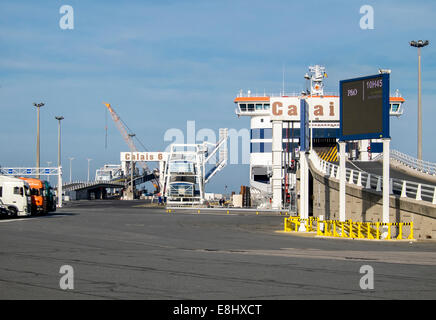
13 212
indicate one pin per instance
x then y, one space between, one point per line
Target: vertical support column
363 150
59 187
342 178
161 177
131 175
277 176
419 108
386 178
201 175
37 143
304 189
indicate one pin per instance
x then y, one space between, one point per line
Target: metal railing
411 162
403 188
75 185
351 229
247 94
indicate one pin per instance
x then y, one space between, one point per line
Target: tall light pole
131 135
89 160
59 119
71 159
38 106
419 44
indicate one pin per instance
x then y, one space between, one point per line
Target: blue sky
161 63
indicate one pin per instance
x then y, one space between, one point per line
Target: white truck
15 194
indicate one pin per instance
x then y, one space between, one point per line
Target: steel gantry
47 171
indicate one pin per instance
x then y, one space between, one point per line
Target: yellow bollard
389 231
410 237
198 211
400 231
368 225
378 231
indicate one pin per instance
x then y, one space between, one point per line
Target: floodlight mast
419 44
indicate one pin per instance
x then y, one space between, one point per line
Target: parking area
126 250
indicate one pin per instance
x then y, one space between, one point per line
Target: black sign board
364 108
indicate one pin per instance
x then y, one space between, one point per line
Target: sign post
277 164
59 187
364 114
386 179
342 178
304 166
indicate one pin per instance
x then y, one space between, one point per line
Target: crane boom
118 122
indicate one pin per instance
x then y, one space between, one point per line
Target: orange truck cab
37 195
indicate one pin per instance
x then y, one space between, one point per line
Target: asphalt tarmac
122 250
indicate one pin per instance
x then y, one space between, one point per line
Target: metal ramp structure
109 172
404 188
422 166
222 155
84 190
85 184
184 179
185 170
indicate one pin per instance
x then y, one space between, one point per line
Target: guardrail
403 188
75 185
247 94
411 162
351 229
294 223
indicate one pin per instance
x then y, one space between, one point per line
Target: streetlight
89 160
419 44
37 105
59 119
131 135
71 159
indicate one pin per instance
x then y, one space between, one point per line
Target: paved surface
119 251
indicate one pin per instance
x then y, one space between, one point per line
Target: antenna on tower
283 80
105 139
316 79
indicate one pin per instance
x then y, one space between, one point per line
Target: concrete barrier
366 205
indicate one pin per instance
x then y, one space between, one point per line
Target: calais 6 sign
364 108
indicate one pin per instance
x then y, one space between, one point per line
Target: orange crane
122 128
